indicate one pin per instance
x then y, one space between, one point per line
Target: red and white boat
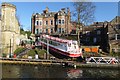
65 47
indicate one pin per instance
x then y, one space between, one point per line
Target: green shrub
4 55
18 50
115 54
31 53
36 51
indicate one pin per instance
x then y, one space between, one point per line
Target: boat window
69 45
75 47
50 42
74 43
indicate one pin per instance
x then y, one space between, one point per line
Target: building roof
8 4
47 13
116 20
97 24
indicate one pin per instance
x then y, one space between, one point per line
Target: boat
65 47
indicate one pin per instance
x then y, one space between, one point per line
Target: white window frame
46 22
94 39
87 32
116 36
36 23
40 22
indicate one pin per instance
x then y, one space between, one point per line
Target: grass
36 51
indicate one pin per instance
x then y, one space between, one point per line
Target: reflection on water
23 71
74 73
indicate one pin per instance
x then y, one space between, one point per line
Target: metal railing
103 60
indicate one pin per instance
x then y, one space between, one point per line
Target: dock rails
35 61
64 63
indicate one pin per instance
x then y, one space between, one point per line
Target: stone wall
10 28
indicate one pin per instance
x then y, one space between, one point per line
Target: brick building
51 22
114 34
103 34
96 35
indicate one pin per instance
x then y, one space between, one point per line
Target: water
42 71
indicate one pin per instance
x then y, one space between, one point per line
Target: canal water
44 71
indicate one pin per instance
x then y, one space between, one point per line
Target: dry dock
57 62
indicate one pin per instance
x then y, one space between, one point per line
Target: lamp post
79 30
47 49
10 48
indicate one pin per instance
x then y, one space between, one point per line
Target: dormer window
36 15
58 13
46 15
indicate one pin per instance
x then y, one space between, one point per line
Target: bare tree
84 11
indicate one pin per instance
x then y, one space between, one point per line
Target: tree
84 11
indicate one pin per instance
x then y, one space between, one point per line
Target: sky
105 11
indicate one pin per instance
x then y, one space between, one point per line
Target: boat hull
61 52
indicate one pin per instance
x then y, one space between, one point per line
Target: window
36 15
74 46
117 36
46 15
37 23
94 40
46 30
46 22
62 30
118 27
37 31
87 39
98 32
59 30
40 30
51 21
40 22
51 30
59 21
99 39
87 32
62 21
69 45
